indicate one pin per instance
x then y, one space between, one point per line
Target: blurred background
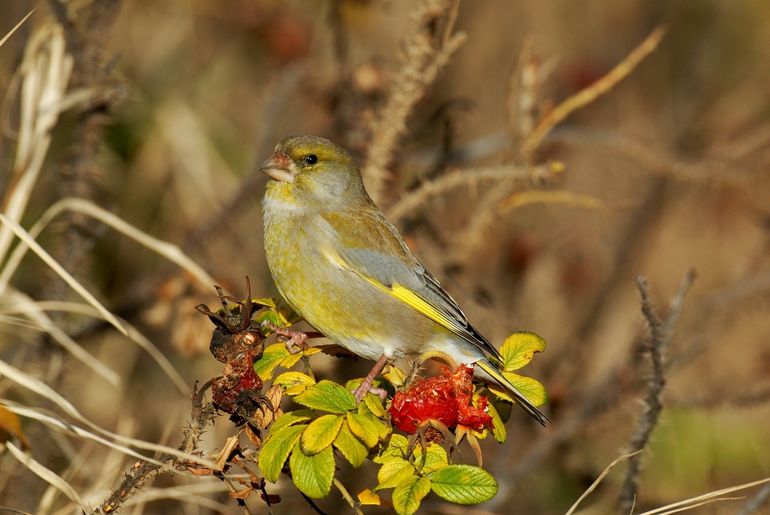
161 112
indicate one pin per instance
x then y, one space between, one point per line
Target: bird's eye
311 159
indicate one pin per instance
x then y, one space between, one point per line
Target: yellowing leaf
434 459
394 375
498 426
519 349
396 449
271 315
350 446
294 380
530 388
312 475
394 473
310 351
327 396
463 484
368 498
320 433
290 418
369 430
407 497
273 454
291 359
374 403
271 358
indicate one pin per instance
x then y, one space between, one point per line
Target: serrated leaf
396 449
407 497
463 484
434 459
276 449
267 302
312 475
374 404
290 418
519 349
271 315
369 430
498 427
383 429
350 446
270 359
368 498
294 379
327 396
394 473
291 359
310 351
320 433
529 388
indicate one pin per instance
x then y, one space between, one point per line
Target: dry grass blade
46 71
697 501
35 385
38 319
45 473
592 92
16 27
598 480
163 248
61 272
133 334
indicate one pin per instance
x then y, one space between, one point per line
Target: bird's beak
280 167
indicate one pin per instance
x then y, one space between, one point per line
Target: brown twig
201 414
660 336
425 55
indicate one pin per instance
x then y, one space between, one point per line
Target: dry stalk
592 92
425 55
660 336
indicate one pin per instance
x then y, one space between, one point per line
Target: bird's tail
488 367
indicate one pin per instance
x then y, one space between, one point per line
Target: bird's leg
296 342
366 385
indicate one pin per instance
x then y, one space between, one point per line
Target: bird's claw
296 341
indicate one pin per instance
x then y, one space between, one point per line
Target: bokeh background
181 100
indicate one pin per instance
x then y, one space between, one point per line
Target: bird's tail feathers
522 401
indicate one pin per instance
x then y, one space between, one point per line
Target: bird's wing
388 264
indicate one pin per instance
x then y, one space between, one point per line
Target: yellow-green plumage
338 261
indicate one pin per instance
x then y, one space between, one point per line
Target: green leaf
519 349
290 418
498 426
463 484
327 396
435 458
320 433
396 449
369 430
530 388
350 446
394 473
407 497
312 475
276 449
271 358
271 315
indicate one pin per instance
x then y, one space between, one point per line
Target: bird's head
313 173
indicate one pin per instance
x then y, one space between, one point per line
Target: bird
346 270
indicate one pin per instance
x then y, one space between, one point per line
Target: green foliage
325 420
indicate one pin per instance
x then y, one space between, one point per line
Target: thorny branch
660 336
201 414
425 55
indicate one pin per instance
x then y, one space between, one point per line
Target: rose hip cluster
445 398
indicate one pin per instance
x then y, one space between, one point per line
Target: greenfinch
346 270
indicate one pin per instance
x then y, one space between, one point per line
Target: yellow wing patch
402 293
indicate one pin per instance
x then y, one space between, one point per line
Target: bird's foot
296 341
